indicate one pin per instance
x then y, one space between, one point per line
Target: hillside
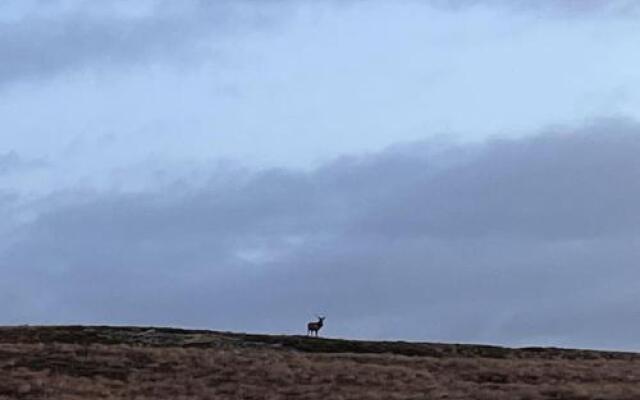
100 362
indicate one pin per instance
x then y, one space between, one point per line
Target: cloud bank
521 241
39 41
45 41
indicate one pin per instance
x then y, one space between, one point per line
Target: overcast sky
424 170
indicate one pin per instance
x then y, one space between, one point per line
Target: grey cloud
527 241
11 162
47 43
541 187
589 8
44 44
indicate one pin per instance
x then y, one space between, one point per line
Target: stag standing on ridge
315 326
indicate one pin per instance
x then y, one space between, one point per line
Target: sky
455 171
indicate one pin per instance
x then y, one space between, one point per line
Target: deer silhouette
315 326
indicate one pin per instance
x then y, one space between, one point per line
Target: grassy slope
75 362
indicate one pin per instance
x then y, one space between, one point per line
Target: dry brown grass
241 370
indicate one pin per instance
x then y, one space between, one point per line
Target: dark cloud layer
534 240
64 38
43 44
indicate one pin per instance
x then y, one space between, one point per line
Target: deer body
314 327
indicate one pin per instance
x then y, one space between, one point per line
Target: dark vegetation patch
171 337
95 362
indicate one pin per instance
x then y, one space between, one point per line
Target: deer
315 326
